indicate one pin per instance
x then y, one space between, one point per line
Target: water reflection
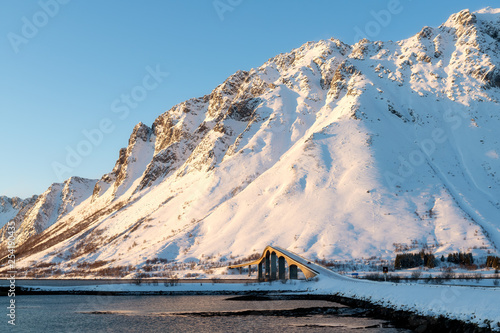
83 313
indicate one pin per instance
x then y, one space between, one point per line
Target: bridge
272 265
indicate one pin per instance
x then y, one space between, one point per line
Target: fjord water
90 313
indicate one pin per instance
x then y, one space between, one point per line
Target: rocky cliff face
331 150
130 165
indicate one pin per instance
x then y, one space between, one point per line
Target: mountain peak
140 131
466 19
463 18
494 12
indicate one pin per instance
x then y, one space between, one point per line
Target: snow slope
333 151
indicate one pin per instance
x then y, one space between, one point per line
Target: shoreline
401 318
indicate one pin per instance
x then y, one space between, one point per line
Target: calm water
83 313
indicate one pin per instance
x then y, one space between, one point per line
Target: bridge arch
275 260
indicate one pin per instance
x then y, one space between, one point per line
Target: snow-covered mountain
11 207
36 214
333 151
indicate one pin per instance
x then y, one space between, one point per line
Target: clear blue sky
64 69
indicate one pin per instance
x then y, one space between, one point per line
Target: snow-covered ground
478 305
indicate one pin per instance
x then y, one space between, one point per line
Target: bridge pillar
260 271
268 265
249 270
273 266
281 268
240 270
293 272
